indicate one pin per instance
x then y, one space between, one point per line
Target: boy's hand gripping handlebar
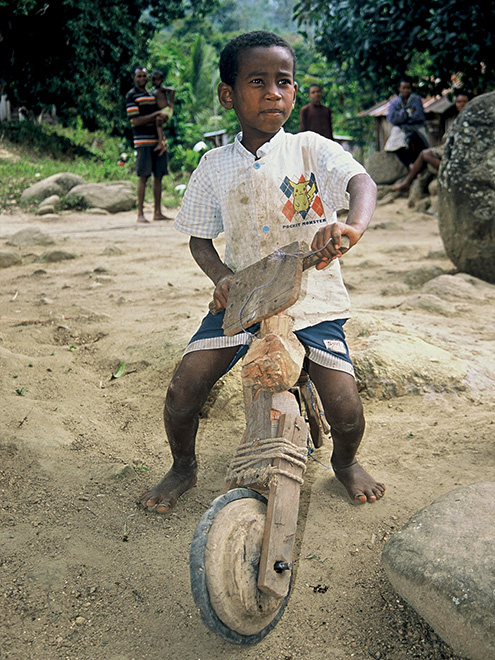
269 286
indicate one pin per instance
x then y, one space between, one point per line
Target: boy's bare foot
164 495
360 486
142 218
160 216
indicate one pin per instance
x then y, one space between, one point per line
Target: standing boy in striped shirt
144 115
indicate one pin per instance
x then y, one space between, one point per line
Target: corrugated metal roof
437 104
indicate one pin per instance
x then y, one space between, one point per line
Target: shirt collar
265 149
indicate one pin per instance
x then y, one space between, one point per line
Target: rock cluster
70 190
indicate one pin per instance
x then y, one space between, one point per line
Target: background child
315 116
263 191
165 101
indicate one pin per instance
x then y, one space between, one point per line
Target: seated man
431 156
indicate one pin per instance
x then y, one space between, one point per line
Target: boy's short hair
157 74
229 57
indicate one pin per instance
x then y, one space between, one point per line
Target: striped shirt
293 187
140 104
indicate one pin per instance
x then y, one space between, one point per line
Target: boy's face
461 101
315 95
156 81
405 90
263 95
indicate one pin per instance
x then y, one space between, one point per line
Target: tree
379 40
79 54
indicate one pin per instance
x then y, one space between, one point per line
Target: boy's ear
295 94
225 96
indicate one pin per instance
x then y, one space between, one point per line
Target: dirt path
88 576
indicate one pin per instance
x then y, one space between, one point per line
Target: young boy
246 189
315 116
164 97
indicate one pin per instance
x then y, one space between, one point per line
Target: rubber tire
198 574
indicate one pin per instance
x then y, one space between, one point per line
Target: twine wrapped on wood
246 467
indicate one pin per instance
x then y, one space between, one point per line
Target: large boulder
466 191
58 184
443 564
113 197
384 167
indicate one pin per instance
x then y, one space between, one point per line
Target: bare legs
425 157
141 191
344 413
157 199
188 391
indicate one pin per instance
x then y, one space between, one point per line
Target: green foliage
376 41
38 151
79 54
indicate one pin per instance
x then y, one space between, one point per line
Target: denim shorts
324 342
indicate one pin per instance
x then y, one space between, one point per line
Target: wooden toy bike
241 559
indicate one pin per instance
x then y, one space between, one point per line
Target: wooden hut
439 110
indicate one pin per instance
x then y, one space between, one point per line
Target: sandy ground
85 574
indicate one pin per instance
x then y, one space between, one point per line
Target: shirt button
257 166
266 229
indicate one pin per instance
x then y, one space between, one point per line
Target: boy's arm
208 259
148 119
362 200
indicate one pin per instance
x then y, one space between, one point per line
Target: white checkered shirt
293 187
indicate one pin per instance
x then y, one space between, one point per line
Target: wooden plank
282 513
258 427
263 289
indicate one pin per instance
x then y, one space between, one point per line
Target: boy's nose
272 91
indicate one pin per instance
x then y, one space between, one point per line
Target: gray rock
112 197
456 288
58 184
385 167
389 364
49 205
443 564
54 256
46 209
54 200
466 192
429 303
95 211
423 205
433 187
8 259
27 237
112 250
420 276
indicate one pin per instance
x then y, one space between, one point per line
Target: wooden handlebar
308 262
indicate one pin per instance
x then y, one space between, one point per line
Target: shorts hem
329 361
213 343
